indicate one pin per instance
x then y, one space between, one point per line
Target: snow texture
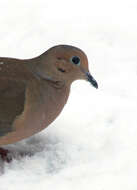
92 145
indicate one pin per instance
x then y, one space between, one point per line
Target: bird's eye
75 60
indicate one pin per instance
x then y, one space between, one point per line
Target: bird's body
34 91
38 101
41 108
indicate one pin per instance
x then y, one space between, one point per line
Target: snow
93 143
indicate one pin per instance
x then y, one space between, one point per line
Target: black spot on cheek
61 70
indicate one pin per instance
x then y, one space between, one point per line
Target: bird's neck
54 92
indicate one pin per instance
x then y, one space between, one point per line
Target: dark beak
91 80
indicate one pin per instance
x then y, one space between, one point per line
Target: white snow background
92 145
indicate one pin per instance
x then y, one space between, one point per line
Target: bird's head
64 63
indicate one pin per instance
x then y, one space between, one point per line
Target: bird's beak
91 80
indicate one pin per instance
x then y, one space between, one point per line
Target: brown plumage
34 91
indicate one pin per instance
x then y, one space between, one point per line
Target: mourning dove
34 91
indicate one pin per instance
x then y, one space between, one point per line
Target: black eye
75 60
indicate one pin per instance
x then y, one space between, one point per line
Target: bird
33 91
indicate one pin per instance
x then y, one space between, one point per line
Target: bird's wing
13 80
